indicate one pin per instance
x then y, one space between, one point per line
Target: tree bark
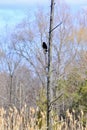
49 66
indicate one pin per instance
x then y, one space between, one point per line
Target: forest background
23 63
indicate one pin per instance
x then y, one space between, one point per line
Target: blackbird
44 45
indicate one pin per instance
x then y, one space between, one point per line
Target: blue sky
13 11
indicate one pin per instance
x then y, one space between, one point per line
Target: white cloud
37 2
23 3
15 2
76 2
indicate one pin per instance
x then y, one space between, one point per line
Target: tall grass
34 119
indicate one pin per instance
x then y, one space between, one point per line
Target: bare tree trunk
20 91
49 66
11 77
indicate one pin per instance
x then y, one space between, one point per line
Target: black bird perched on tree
44 45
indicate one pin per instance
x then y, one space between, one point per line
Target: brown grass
33 119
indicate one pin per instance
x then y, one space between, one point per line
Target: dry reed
34 119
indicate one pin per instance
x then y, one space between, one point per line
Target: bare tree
9 63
